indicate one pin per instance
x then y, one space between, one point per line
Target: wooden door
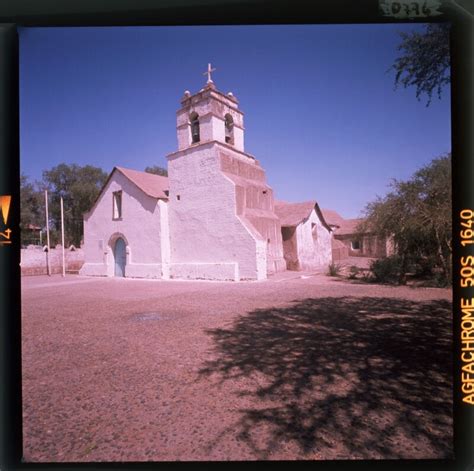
120 257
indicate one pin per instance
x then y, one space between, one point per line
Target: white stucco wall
34 260
139 227
208 239
165 244
313 252
254 207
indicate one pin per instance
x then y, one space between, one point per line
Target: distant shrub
334 269
440 281
367 276
353 272
425 267
386 270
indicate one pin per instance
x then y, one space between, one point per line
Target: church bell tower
210 115
221 209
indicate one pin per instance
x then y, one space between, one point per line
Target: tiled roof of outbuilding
332 217
292 214
349 226
151 184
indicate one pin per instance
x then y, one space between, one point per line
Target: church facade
214 217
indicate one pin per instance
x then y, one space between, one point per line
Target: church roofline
178 153
123 171
211 91
149 183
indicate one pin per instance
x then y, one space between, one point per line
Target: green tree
425 60
31 209
79 188
157 170
417 215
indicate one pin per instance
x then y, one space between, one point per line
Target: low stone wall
34 261
339 250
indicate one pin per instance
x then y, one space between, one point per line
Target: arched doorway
120 257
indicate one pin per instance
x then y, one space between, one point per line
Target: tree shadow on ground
342 377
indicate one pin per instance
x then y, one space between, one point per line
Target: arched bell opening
194 123
229 129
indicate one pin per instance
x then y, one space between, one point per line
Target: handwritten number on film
5 237
412 9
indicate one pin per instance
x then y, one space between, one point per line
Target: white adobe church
213 217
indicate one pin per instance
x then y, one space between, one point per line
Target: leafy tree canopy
31 209
79 187
417 215
425 60
155 169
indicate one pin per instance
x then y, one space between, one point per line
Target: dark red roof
151 184
332 217
292 214
349 226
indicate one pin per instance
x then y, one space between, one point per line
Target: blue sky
320 110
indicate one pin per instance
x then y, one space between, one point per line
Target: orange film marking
5 206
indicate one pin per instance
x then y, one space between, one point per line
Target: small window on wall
314 230
117 204
356 245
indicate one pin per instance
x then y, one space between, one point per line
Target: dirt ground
301 366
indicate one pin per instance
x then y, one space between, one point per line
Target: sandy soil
301 366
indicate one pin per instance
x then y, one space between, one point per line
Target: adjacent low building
353 239
306 235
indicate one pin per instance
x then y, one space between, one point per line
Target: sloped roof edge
151 184
293 214
126 173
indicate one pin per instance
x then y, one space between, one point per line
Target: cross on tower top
208 73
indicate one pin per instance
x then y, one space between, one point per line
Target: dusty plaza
298 366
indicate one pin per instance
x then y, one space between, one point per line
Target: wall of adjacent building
313 244
290 249
340 251
371 245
